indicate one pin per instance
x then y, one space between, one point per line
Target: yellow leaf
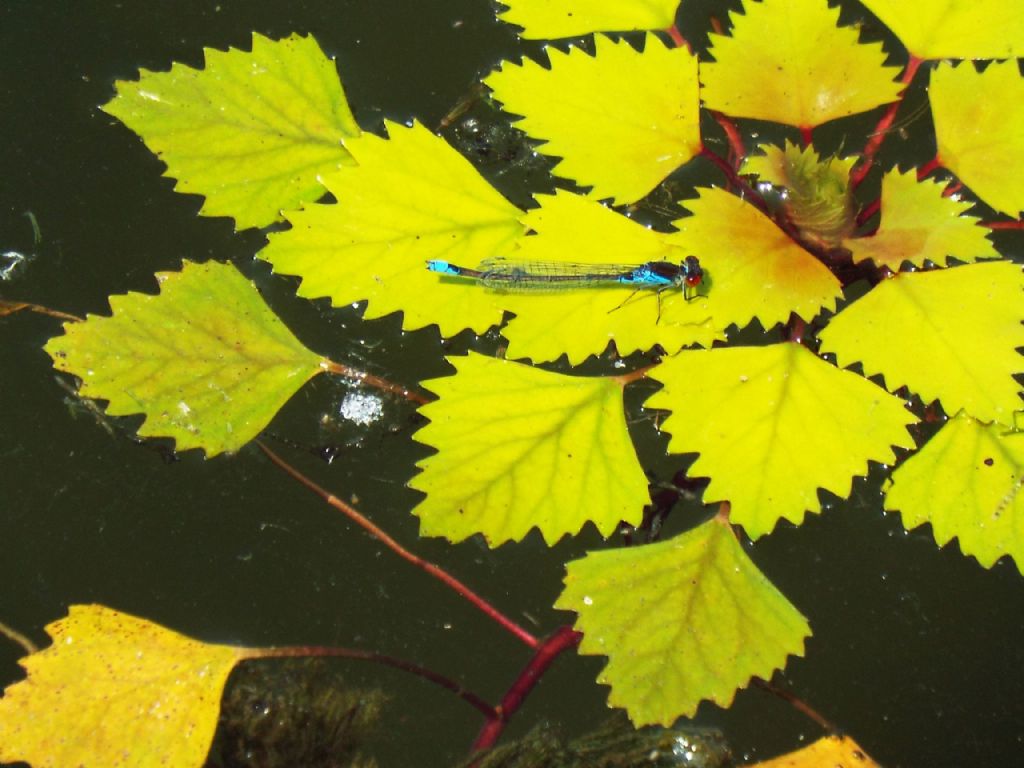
966 481
623 119
205 360
979 129
919 224
520 448
411 198
954 29
774 425
949 335
583 321
788 61
826 752
817 195
681 621
549 19
115 690
251 132
753 268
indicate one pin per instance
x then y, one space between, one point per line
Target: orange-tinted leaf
788 61
920 224
954 29
752 268
826 752
115 690
979 128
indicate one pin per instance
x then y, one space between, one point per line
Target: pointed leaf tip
624 121
774 425
520 448
251 131
948 334
788 61
411 198
205 360
967 482
681 621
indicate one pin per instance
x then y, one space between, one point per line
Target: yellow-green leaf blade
775 424
954 29
681 621
410 198
788 61
753 269
520 448
920 224
949 335
967 482
115 690
551 19
623 119
251 132
979 129
205 360
582 321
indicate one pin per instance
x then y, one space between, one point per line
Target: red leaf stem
878 135
736 149
561 640
425 565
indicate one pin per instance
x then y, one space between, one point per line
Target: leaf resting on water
550 19
251 131
920 224
752 268
520 448
205 360
623 120
115 690
681 621
967 482
979 129
954 29
950 334
411 198
581 322
774 424
788 61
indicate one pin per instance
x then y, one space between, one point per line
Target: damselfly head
693 275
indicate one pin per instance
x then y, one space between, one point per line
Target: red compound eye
693 280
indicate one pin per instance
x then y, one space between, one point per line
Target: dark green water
916 652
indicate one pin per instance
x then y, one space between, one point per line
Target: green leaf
411 198
520 448
582 322
549 19
115 690
966 481
774 425
954 29
680 621
949 335
205 360
251 132
752 267
622 121
817 195
788 61
979 129
920 224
